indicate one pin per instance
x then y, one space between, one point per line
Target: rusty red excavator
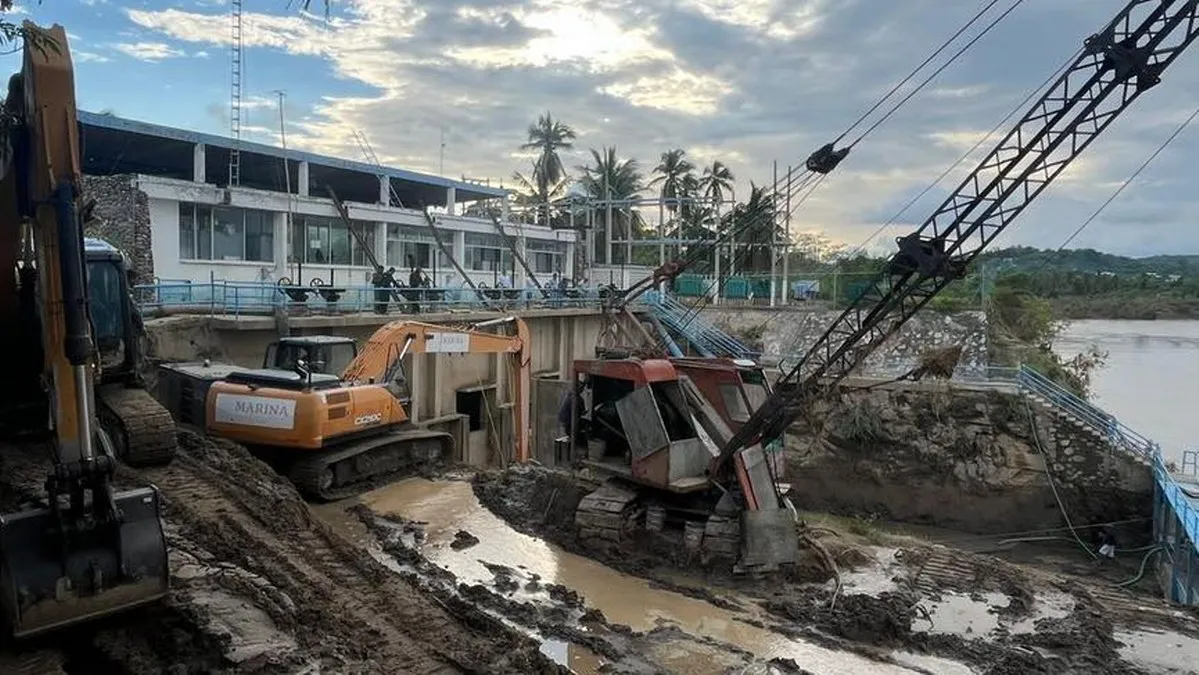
683 440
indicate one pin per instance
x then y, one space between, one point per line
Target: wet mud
931 601
261 586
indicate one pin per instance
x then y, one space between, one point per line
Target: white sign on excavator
452 343
256 411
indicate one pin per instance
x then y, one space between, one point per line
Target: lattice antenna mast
235 63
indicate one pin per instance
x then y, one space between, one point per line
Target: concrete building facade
276 219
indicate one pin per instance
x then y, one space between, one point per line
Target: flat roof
115 145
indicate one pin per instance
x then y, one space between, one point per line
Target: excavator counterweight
89 551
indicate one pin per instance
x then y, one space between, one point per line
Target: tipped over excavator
679 462
74 392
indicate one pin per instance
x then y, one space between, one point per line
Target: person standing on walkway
416 280
382 290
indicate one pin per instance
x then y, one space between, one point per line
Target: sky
746 82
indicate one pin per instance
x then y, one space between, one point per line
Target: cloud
743 81
89 57
149 51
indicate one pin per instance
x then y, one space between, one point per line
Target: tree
717 180
755 229
672 173
611 178
547 136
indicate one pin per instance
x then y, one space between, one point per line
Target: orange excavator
329 433
85 550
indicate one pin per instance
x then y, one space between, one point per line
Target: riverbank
1125 306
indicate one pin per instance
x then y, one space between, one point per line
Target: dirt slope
259 586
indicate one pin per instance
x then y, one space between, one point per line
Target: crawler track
141 428
340 473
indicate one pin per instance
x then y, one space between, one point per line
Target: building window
327 241
418 242
487 253
545 256
225 233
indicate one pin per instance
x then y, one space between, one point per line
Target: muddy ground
261 586
1081 638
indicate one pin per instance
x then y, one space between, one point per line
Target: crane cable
811 179
939 70
895 89
1120 189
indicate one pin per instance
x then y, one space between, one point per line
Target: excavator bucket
51 577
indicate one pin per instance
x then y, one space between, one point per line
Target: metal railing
1184 510
687 323
1116 432
237 298
1121 436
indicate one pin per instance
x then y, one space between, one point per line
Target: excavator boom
90 551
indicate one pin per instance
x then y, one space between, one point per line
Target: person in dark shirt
415 281
382 290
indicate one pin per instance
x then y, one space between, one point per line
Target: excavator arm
380 360
91 551
1115 67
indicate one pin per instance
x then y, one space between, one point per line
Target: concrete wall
963 458
790 332
122 218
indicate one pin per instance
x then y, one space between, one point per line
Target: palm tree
548 136
672 172
611 178
717 180
534 198
756 228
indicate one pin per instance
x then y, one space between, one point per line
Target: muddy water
447 507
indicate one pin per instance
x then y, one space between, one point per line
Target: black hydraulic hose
76 341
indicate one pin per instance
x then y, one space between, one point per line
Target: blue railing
262 298
1184 510
1116 432
1121 436
685 322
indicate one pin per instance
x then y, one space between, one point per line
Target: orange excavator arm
380 359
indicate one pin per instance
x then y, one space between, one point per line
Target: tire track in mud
236 528
256 520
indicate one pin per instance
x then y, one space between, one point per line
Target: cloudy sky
744 81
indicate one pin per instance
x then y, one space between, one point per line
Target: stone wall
960 458
790 332
122 218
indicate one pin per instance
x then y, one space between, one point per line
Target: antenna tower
235 93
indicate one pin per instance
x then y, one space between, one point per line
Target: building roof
115 145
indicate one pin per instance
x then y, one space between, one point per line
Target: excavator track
609 514
140 427
336 474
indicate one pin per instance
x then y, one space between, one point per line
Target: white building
201 228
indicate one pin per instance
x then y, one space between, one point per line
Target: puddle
932 664
1158 652
874 578
579 659
960 614
447 507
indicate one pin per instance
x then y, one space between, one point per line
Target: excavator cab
322 354
86 550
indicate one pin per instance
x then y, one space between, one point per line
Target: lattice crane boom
1114 68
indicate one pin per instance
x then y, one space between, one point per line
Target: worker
382 290
415 282
1107 543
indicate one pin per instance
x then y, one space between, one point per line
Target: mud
995 616
260 586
